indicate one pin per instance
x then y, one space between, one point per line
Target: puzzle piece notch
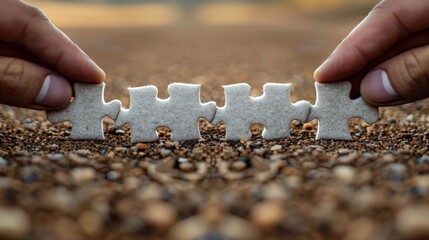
273 109
180 112
334 108
86 111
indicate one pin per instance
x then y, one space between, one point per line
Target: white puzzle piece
273 109
86 111
334 108
180 112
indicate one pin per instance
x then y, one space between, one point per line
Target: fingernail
376 88
55 92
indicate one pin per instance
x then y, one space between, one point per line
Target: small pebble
117 166
268 215
91 222
119 132
119 149
52 146
343 151
113 175
160 215
412 222
398 171
308 126
142 146
309 165
77 159
423 160
348 158
238 166
344 173
83 175
186 166
182 160
392 121
164 152
3 161
14 223
410 117
55 156
276 147
259 151
169 145
422 182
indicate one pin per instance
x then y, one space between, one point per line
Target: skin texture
32 50
394 39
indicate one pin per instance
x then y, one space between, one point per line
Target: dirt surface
374 187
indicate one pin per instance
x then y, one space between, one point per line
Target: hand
387 53
37 61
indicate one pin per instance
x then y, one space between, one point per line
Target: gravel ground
374 187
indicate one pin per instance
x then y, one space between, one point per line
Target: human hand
387 53
37 61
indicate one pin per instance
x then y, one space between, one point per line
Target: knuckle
412 67
12 76
414 76
36 13
384 5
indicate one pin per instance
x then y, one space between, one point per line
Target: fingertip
97 74
321 74
317 75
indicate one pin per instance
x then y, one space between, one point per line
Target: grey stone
3 162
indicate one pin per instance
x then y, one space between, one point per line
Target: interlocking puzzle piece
334 108
86 111
180 112
273 109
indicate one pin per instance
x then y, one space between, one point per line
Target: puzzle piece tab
273 109
334 108
180 112
86 111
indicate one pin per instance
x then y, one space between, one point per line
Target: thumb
399 80
25 84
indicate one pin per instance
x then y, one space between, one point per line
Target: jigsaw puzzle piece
334 108
86 111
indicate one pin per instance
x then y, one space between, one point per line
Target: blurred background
140 42
111 13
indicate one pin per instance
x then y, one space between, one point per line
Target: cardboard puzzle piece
180 112
273 109
86 111
334 108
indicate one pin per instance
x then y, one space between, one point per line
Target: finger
413 41
25 84
14 51
402 79
27 26
389 22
